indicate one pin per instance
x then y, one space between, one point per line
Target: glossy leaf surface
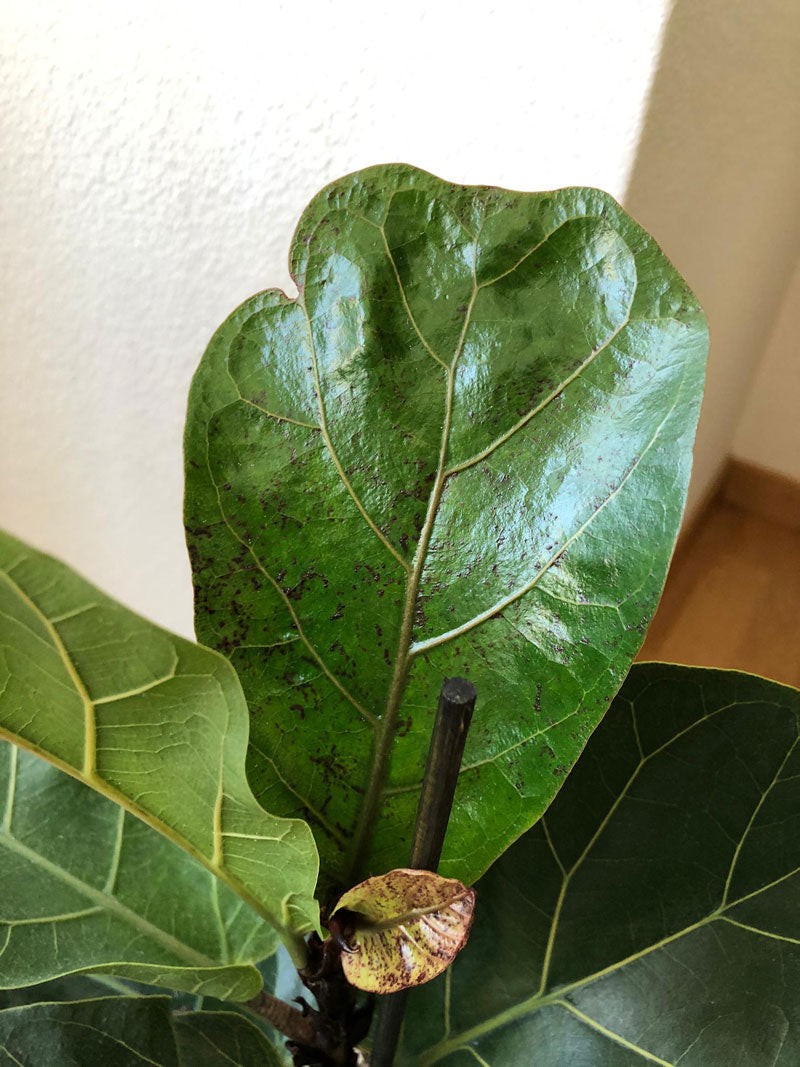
153 722
405 927
88 887
127 1032
653 915
462 450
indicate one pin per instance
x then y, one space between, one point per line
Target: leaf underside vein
115 790
102 900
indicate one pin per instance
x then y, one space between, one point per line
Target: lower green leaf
73 987
127 1032
277 972
206 1038
88 887
151 721
653 914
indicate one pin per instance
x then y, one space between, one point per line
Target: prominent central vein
384 736
89 725
407 650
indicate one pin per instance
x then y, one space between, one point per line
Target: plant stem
286 1019
295 945
453 717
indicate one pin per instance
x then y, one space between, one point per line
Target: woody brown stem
288 1020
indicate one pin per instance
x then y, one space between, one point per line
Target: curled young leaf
403 928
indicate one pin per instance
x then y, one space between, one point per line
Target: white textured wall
716 179
155 158
769 432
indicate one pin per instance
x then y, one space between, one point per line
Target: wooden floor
732 597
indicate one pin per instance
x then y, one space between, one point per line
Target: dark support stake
453 716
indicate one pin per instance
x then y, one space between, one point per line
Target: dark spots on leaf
295 592
331 768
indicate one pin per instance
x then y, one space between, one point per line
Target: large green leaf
155 723
211 1038
653 915
278 973
72 987
88 887
462 450
129 1032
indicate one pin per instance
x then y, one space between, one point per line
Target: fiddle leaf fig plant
462 449
122 1030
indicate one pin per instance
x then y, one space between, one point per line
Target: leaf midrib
370 926
384 736
407 650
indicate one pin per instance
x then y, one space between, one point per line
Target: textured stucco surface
769 431
716 179
155 160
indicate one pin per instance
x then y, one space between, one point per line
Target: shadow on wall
716 180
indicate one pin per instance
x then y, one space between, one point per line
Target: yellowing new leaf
403 928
